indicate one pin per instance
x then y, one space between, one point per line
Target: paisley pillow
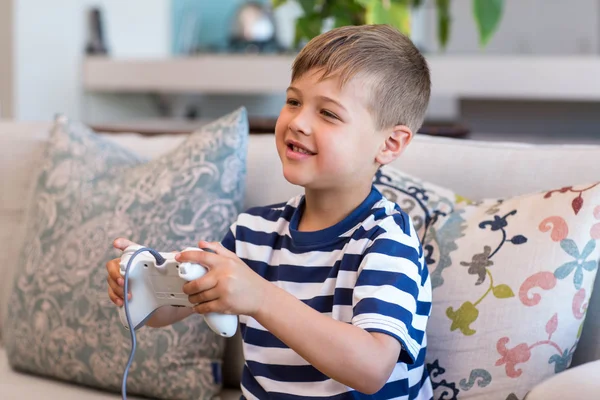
89 191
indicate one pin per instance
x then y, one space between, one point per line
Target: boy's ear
396 141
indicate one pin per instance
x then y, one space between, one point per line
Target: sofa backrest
471 168
21 149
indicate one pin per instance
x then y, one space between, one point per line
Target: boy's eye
292 102
329 114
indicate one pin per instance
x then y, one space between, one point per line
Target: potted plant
397 13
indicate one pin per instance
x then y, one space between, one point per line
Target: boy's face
325 135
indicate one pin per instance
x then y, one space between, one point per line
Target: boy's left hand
229 286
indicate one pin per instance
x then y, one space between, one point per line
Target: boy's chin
294 179
307 184
299 179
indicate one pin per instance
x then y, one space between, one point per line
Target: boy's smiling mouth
296 148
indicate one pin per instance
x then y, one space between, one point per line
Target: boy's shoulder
388 217
388 230
271 212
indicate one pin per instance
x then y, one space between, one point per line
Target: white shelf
511 77
203 74
489 77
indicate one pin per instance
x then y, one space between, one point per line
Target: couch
463 165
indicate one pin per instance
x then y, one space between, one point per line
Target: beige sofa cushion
494 169
580 382
21 148
478 169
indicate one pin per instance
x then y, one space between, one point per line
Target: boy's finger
114 298
208 307
205 258
114 269
205 296
116 289
217 247
122 243
207 282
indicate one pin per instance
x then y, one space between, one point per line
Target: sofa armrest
579 382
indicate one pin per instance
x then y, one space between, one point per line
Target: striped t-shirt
367 270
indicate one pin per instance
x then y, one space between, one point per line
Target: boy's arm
390 310
344 352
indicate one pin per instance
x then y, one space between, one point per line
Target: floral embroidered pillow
511 282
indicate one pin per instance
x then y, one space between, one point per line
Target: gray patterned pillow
89 191
423 201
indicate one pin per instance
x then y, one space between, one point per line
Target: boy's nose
300 125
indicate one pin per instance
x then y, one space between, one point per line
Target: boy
331 287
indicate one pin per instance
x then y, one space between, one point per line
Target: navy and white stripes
367 270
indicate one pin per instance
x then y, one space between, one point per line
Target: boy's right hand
115 280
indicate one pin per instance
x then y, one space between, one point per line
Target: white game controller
153 286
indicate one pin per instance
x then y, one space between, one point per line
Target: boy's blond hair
394 68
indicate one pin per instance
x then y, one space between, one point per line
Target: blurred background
171 65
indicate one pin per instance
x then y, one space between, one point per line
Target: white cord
159 260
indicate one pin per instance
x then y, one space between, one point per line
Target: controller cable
159 261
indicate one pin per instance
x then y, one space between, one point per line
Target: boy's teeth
299 150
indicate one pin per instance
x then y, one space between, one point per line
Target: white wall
544 27
50 41
528 27
6 59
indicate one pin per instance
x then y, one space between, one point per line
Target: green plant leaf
347 12
396 14
444 21
277 3
487 14
308 6
502 291
308 26
374 12
342 20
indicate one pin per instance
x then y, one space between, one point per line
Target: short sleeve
392 294
228 240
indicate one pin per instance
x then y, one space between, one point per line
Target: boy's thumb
122 243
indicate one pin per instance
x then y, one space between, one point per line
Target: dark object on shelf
262 124
446 129
96 43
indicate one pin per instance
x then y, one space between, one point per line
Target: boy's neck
325 208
